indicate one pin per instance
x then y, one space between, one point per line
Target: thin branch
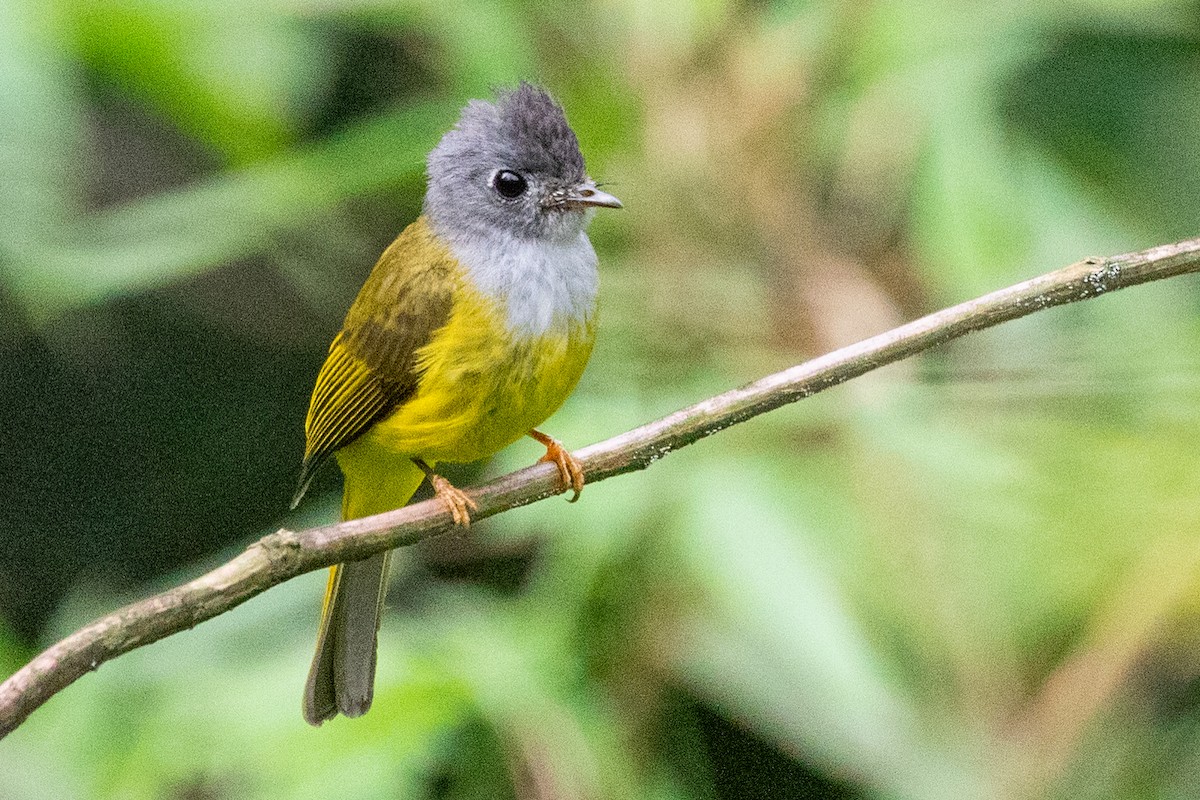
285 554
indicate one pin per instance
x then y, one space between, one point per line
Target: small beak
588 195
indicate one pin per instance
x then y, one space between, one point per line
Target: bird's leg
456 501
569 467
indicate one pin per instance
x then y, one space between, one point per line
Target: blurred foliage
971 575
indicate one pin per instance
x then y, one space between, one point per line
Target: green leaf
40 131
238 77
178 233
773 643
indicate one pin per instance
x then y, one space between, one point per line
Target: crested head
511 167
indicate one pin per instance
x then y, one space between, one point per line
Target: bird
474 326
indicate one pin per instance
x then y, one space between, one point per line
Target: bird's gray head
511 167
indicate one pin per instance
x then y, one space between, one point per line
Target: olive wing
372 367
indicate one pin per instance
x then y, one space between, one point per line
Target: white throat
542 284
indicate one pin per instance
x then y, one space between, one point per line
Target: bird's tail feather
342 676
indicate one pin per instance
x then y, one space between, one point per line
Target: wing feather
371 368
348 399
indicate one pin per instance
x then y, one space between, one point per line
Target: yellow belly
482 387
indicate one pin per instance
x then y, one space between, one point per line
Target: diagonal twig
286 554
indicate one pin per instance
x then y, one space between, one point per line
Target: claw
456 501
569 468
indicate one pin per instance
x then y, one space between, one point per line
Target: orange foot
569 468
456 501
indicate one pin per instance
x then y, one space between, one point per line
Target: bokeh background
972 575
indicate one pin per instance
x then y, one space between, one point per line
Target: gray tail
342 676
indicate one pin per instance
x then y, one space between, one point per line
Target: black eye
509 184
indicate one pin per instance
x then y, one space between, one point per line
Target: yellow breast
484 384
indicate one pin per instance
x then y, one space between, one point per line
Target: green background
975 574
